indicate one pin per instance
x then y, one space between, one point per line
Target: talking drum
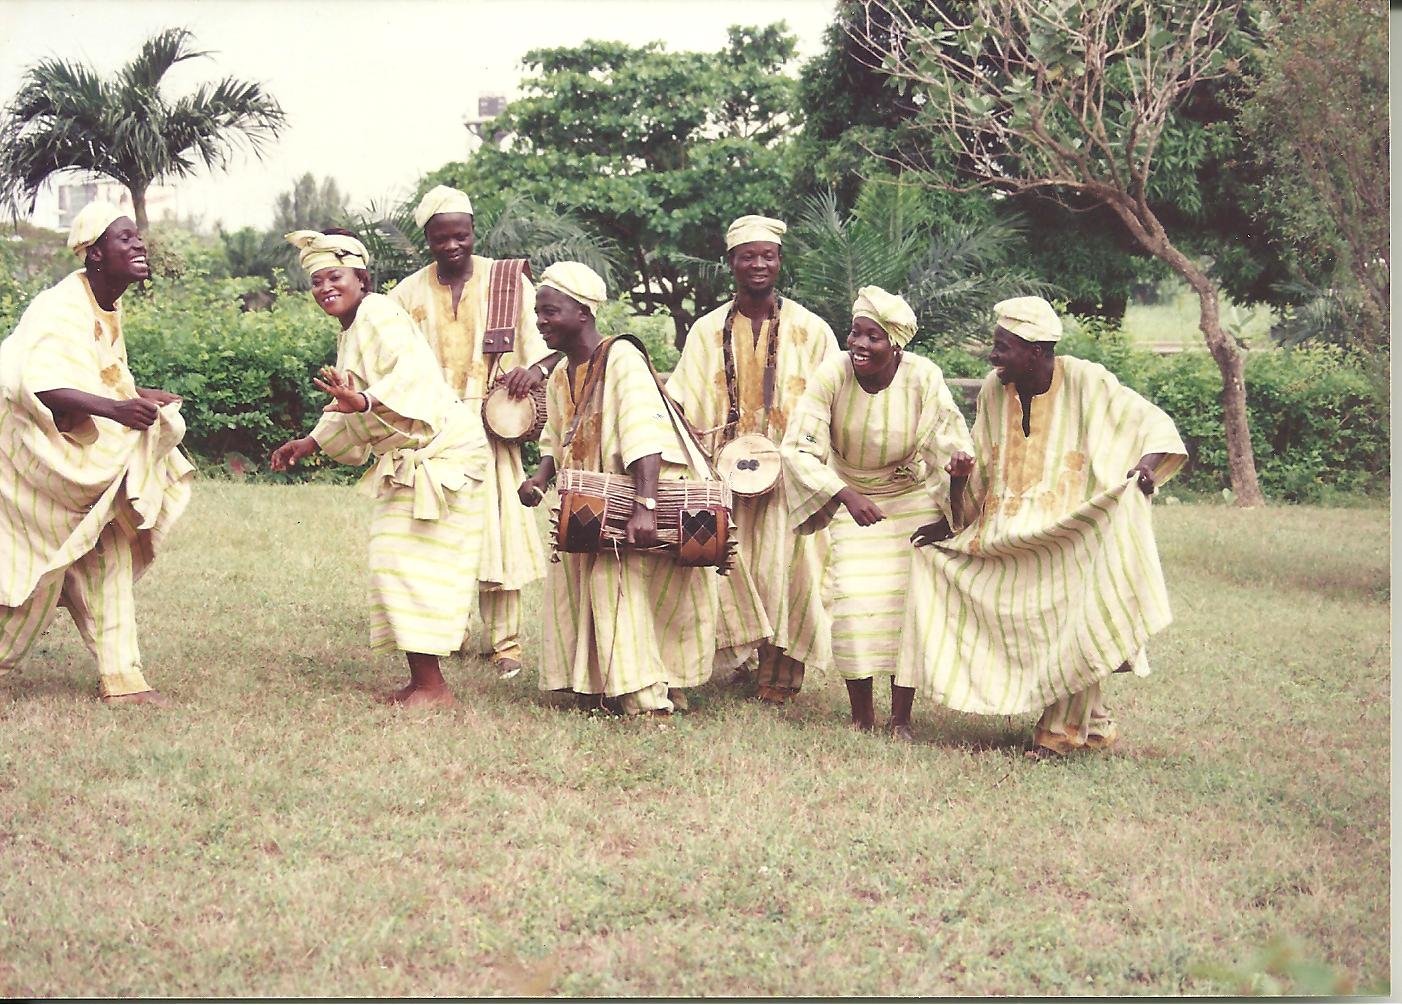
749 464
513 420
693 517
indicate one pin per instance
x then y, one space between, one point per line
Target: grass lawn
279 833
1174 321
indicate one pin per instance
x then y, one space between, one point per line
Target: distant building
489 106
61 201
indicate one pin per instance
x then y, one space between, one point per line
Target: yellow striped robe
629 624
512 553
892 447
431 454
774 592
62 483
1056 580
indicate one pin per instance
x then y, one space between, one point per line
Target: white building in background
61 200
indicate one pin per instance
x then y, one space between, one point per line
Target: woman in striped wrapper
389 400
887 424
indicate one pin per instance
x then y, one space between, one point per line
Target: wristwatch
545 373
646 503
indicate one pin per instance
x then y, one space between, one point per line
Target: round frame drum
513 420
749 464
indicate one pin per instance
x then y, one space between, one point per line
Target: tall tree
1076 99
655 150
67 117
310 206
1318 129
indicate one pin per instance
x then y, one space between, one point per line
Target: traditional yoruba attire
771 602
1055 582
430 456
512 554
84 502
624 624
891 447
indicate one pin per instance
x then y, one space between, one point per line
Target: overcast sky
375 91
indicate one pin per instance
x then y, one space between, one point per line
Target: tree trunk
138 206
1241 459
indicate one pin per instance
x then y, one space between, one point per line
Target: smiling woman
90 478
389 400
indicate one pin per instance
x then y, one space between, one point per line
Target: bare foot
428 697
678 699
506 668
901 731
139 698
398 697
858 727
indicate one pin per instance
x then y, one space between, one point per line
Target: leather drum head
508 418
749 464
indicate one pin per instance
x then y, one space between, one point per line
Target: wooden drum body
513 420
750 465
693 518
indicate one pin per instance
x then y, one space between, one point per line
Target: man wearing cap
624 628
91 479
743 370
1055 583
452 300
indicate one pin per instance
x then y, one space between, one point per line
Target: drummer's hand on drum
931 532
641 531
531 492
521 381
863 510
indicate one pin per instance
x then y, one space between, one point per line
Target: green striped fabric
1056 581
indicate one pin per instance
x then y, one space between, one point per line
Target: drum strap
732 387
503 305
598 362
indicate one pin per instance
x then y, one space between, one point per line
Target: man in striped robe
450 300
91 479
772 609
623 628
1055 582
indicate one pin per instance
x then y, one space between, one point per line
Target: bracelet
368 403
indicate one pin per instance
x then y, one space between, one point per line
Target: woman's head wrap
1029 318
440 199
90 224
328 251
577 281
755 228
891 312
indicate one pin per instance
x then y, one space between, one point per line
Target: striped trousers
97 590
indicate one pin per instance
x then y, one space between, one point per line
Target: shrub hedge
1319 419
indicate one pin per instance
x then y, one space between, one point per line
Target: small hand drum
749 464
513 420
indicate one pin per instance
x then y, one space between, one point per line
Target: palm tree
67 117
516 227
951 273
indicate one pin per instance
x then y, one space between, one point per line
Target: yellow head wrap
755 228
1029 318
577 281
441 199
328 251
91 223
891 312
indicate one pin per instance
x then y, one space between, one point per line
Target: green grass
278 833
1174 321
